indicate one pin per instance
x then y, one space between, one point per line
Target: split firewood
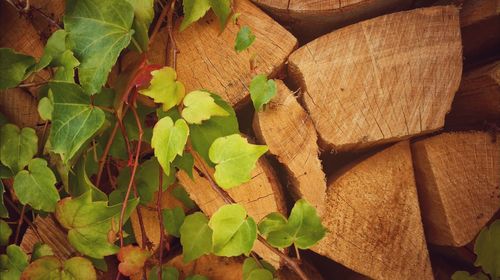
46 15
289 133
478 98
210 266
207 59
383 79
458 175
373 218
310 19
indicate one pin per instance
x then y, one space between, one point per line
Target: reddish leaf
132 259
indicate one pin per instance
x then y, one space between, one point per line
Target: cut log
210 266
260 196
46 14
207 59
478 98
289 133
458 175
383 79
480 21
373 218
310 19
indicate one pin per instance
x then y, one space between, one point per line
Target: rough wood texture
260 196
381 80
478 98
373 217
210 266
312 18
53 9
289 133
458 175
207 58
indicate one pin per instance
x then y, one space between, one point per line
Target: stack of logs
387 123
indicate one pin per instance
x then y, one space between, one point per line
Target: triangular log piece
373 218
458 178
383 79
288 131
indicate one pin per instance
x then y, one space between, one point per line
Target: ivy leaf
98 31
200 106
222 9
254 271
262 91
5 233
196 236
13 262
36 187
182 195
167 273
303 228
74 119
193 11
79 182
14 68
169 140
50 267
4 213
197 277
173 219
132 259
66 70
89 223
203 135
41 250
45 108
56 54
164 88
487 249
464 275
184 162
233 232
235 159
144 14
17 147
244 39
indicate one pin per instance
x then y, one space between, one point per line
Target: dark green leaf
184 162
167 273
13 263
464 275
196 236
173 219
144 13
5 233
79 182
182 195
17 147
487 249
14 67
244 39
3 210
261 91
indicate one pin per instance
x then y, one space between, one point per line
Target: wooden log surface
373 218
458 178
383 79
210 266
288 131
207 59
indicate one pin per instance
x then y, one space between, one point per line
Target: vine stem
19 224
160 20
160 218
26 220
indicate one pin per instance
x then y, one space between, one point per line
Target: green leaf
464 275
203 135
4 213
261 91
200 106
89 223
5 233
235 159
184 162
144 14
45 108
41 250
233 232
254 271
193 11
12 263
222 9
182 195
244 39
36 187
169 140
56 54
14 68
17 147
50 267
74 120
272 222
66 70
167 273
173 219
98 31
196 236
197 277
164 88
487 249
79 182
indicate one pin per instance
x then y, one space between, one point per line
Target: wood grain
381 80
458 176
373 218
210 266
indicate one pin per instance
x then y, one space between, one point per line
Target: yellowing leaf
164 88
235 159
17 146
200 106
50 267
193 11
169 140
132 259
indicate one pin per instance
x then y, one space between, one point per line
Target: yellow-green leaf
12 263
196 236
50 267
487 249
169 140
200 106
193 11
164 88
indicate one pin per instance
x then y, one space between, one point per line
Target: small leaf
169 140
17 147
200 106
184 162
4 213
50 267
41 250
244 39
36 187
164 88
487 249
235 159
193 11
5 233
273 222
233 233
12 263
173 219
56 54
13 68
182 195
196 236
222 9
261 91
167 273
45 108
464 275
254 271
132 259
